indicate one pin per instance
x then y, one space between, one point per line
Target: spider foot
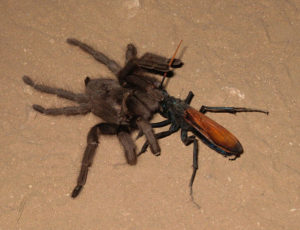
76 191
38 108
157 154
27 80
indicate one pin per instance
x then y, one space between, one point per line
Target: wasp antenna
170 63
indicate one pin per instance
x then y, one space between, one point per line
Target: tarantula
124 105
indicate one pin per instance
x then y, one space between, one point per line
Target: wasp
181 116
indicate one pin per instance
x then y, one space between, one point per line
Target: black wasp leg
154 125
173 128
233 110
89 153
68 111
161 124
187 141
157 136
80 98
102 58
189 98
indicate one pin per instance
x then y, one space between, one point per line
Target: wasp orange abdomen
213 131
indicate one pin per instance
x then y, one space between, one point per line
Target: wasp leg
102 58
89 153
189 98
172 129
187 141
232 110
157 136
154 125
161 124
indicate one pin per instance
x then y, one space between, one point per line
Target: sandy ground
236 53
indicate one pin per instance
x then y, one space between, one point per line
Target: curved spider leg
80 98
187 140
102 58
136 106
146 128
89 153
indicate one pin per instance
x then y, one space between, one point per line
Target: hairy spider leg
82 108
135 104
148 61
68 110
146 128
99 56
92 144
77 97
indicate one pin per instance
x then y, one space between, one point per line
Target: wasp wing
213 131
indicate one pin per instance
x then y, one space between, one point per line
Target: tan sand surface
236 53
